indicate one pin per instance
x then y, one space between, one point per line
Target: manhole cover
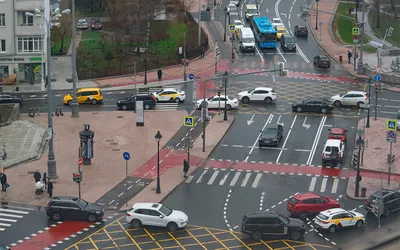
114 143
120 116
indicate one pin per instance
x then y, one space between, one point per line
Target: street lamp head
158 136
56 11
66 12
38 15
28 14
37 11
56 25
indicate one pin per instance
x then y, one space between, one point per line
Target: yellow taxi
85 95
280 31
169 95
338 218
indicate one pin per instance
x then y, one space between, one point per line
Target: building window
2 46
29 44
2 20
27 20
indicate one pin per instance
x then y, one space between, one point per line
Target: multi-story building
22 40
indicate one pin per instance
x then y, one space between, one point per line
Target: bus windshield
268 37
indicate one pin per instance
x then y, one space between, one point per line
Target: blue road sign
191 76
320 23
391 134
377 77
126 156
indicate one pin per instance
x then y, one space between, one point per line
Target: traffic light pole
390 163
358 173
369 101
225 83
79 182
376 101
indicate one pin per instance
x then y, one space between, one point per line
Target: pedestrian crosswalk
253 179
165 107
11 214
290 65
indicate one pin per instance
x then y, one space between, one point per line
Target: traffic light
77 177
380 62
390 158
377 208
389 31
219 92
376 87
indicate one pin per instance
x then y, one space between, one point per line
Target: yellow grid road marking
267 245
288 245
240 240
130 236
216 238
176 240
195 238
109 236
151 236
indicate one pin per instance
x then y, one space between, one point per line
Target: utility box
86 145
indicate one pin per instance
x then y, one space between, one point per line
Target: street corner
368 186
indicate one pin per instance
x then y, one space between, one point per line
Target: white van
246 39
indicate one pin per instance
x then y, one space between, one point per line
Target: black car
73 208
4 98
301 30
288 43
149 102
390 198
272 224
95 24
322 61
313 105
271 135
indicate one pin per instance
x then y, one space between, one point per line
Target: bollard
354 161
340 58
58 111
37 111
31 112
61 113
363 192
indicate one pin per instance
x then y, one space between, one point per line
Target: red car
338 133
305 204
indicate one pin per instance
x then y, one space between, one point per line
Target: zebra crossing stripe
246 179
201 176
13 211
11 215
8 220
256 180
234 180
212 179
335 186
189 179
323 185
312 184
222 181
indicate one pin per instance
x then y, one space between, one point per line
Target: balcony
23 5
25 30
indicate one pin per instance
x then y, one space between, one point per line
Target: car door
131 102
256 95
144 216
316 59
389 202
347 99
157 218
5 99
163 96
320 205
347 220
272 226
213 103
317 105
308 106
310 205
76 212
280 132
79 97
396 202
63 209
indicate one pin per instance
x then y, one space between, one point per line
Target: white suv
333 151
154 214
352 98
259 94
335 218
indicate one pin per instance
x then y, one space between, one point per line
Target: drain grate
120 116
115 149
114 143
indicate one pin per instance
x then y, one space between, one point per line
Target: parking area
120 235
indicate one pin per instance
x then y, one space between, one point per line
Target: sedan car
322 61
82 24
230 7
277 22
238 25
280 31
154 214
305 204
338 133
233 16
169 95
271 135
313 105
9 99
95 24
219 101
351 98
301 30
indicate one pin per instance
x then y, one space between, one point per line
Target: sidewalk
375 158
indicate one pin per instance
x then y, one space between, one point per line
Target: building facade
22 41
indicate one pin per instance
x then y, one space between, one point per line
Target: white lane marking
251 150
273 78
335 186
262 200
315 143
212 179
280 53
13 211
225 208
5 225
246 179
258 52
23 208
237 146
302 150
201 176
8 220
120 195
323 185
287 137
312 184
189 179
11 215
222 181
111 202
235 178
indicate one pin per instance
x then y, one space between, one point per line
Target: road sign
204 104
126 156
391 136
191 76
49 133
355 39
232 27
391 125
188 121
377 77
80 161
355 31
320 23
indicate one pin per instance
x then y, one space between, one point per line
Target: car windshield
82 203
324 58
276 21
289 40
284 219
293 200
270 131
332 134
281 31
324 198
158 92
252 11
372 198
165 210
247 40
238 22
322 216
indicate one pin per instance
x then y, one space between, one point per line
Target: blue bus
264 32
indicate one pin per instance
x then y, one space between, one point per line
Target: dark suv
73 208
288 43
95 23
300 30
149 102
391 201
272 224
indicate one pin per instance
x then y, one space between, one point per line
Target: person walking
349 55
185 168
50 187
44 180
202 52
3 181
37 176
159 74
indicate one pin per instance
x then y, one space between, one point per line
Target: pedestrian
349 55
159 73
3 181
44 180
185 168
202 52
50 187
37 176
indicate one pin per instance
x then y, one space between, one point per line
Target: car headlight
275 139
97 212
180 220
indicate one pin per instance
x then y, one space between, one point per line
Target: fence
388 77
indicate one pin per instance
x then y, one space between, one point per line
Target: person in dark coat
3 181
159 74
37 176
44 180
349 55
50 187
185 168
202 52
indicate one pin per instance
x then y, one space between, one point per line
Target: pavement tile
371 184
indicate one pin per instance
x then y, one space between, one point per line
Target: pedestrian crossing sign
391 125
356 31
188 121
232 27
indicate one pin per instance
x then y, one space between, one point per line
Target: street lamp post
52 21
360 144
74 103
225 82
369 101
158 137
226 14
316 17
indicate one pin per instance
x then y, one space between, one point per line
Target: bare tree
378 16
63 30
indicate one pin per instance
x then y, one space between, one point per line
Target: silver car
352 98
82 24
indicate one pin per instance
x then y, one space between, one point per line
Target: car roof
275 19
146 205
272 125
88 89
301 26
308 195
264 214
323 56
170 89
333 142
333 211
337 130
64 198
263 88
280 28
382 192
221 96
288 35
82 20
357 92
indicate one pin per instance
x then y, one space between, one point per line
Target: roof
263 88
170 89
148 205
272 125
333 211
308 195
88 89
333 142
251 6
264 24
357 92
337 130
281 28
275 19
264 214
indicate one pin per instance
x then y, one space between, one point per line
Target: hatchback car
154 214
272 224
82 24
73 208
169 95
322 61
85 95
301 30
339 218
277 22
280 31
390 202
352 98
313 105
95 24
338 133
259 94
271 135
4 98
149 102
219 102
305 204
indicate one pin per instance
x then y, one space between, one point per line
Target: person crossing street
185 168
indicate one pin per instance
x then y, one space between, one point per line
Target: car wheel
146 106
177 100
359 224
268 100
337 103
303 214
387 213
56 216
332 229
69 103
359 104
256 235
295 235
91 218
228 107
172 226
94 101
124 107
245 99
299 109
136 223
323 110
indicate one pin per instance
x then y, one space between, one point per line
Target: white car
335 218
258 94
82 24
235 2
277 22
154 214
352 98
231 7
169 95
219 101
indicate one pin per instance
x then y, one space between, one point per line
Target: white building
22 40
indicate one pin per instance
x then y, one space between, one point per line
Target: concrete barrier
8 113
